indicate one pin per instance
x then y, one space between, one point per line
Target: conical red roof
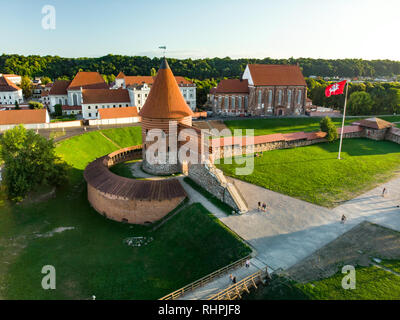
165 100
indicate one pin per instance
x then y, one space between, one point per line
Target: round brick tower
164 104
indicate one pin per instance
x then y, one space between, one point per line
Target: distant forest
210 68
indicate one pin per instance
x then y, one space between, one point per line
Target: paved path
292 229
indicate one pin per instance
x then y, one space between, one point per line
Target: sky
333 29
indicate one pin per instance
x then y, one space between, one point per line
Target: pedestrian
264 207
259 205
247 263
234 279
231 277
384 191
343 219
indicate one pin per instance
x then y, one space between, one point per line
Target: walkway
293 229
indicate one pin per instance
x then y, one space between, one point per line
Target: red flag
336 88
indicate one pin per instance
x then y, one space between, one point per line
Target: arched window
240 102
280 98
75 99
233 102
270 97
299 97
289 98
246 102
259 97
226 102
59 101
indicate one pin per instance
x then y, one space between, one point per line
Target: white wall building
9 92
139 92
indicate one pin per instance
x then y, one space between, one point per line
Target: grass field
372 283
91 258
289 125
314 174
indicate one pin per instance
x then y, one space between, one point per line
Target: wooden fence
200 282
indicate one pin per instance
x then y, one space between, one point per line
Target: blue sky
191 29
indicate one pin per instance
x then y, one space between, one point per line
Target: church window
233 102
280 98
270 97
299 97
289 97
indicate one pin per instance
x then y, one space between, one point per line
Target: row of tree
364 98
110 65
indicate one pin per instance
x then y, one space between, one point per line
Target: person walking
231 277
384 191
247 263
259 206
343 219
264 207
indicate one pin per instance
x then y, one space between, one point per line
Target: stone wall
213 180
268 146
375 134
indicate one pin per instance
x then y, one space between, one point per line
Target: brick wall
130 211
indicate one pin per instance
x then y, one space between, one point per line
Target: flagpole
344 115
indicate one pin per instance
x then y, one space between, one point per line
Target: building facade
95 99
9 92
140 87
277 90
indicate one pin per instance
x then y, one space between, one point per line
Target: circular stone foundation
130 200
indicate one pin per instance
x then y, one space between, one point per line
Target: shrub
329 127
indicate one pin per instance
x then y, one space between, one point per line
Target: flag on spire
336 88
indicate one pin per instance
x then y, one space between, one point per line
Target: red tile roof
233 86
165 100
315 135
149 80
374 123
120 75
65 107
88 80
295 136
60 87
113 113
349 129
275 75
23 116
45 93
105 96
7 86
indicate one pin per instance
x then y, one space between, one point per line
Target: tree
17 105
26 86
393 100
35 105
58 110
46 80
30 161
360 103
329 127
153 72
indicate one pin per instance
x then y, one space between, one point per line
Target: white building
139 87
14 78
69 93
9 92
95 99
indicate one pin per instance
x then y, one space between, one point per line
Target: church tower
164 105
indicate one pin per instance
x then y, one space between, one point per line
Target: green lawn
92 258
372 283
314 174
289 125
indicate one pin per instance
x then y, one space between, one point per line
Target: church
263 90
